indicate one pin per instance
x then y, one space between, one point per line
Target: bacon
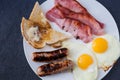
50 15
73 5
96 26
75 27
80 31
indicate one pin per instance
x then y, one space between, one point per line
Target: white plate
98 11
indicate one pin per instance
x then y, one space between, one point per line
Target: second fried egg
106 49
85 67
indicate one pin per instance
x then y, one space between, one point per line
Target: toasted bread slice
38 32
49 37
57 45
37 16
25 26
56 36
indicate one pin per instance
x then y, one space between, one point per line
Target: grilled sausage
56 67
50 56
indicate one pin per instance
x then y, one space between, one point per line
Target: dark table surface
13 64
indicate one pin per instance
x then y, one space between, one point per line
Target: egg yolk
99 45
84 61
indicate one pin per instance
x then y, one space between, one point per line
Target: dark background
13 64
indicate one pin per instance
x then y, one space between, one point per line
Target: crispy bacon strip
96 26
75 27
73 5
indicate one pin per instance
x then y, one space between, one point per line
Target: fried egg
107 50
85 63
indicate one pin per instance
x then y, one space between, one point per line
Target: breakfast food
76 28
85 62
50 55
86 18
56 37
75 10
37 16
106 49
72 17
52 68
73 5
30 33
38 32
57 45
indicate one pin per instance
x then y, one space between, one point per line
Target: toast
37 30
25 26
37 16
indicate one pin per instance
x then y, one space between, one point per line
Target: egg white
109 57
75 49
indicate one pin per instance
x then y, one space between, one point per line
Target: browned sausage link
56 67
50 56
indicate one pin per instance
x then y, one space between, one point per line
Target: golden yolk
99 45
84 61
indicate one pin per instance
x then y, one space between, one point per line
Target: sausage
56 67
50 56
